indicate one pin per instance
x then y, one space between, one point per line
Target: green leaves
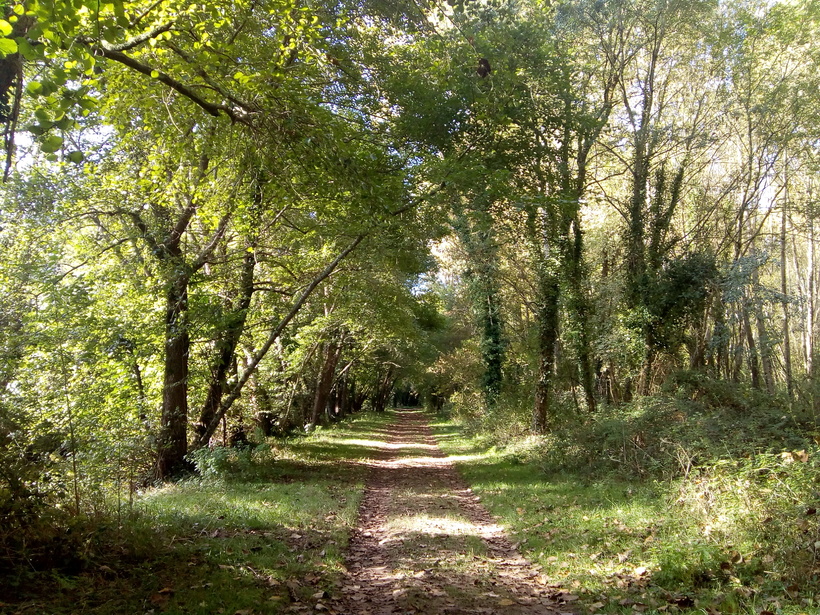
51 143
35 88
7 46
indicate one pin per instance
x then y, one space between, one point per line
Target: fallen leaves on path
425 544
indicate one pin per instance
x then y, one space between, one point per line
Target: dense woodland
230 220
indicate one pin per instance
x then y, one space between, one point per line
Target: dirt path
425 544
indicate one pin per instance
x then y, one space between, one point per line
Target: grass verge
264 530
727 536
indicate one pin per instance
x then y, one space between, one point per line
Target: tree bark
274 334
547 316
475 230
173 435
645 376
787 346
754 358
810 313
332 353
384 384
226 349
581 307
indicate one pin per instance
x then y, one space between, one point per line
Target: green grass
735 537
678 528
264 529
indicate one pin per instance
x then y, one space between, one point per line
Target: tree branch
236 390
211 108
208 249
158 251
140 39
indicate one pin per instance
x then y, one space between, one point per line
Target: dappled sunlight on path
390 446
425 544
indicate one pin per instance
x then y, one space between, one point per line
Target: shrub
249 462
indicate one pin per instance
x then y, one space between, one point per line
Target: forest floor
425 544
369 517
380 515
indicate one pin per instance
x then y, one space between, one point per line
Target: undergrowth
703 499
262 528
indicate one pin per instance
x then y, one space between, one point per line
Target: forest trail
424 544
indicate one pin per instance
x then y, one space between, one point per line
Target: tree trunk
581 308
173 435
226 351
341 396
736 368
273 336
765 353
645 377
263 417
810 314
332 353
547 316
475 231
383 387
754 359
720 351
701 339
787 347
356 397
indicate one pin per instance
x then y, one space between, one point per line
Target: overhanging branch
236 390
211 108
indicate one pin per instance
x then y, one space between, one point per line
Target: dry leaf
506 602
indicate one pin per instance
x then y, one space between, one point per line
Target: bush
250 462
695 422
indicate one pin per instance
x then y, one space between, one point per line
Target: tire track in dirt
424 544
